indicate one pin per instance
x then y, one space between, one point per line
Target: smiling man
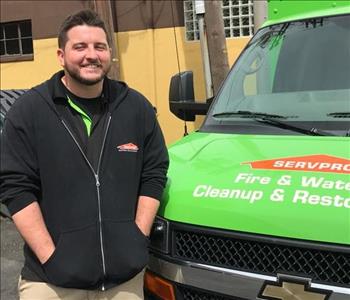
85 56
83 167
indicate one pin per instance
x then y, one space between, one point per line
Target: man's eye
101 47
79 47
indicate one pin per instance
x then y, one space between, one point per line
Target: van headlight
160 235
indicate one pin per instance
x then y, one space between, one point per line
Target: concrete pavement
11 259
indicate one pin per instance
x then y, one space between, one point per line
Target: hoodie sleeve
155 157
19 176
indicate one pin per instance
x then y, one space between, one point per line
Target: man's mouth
92 66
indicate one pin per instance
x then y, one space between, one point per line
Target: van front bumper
209 281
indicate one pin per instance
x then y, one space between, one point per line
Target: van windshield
292 78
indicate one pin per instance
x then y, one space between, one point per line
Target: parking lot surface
11 259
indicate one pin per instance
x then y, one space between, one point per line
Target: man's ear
60 56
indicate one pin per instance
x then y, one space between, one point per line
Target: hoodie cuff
20 202
151 191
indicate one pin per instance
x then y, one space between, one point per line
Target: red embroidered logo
129 147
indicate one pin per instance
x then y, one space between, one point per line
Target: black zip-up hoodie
90 214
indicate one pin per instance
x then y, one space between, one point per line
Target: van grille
189 293
227 250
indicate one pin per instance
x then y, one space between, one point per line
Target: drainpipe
200 11
260 13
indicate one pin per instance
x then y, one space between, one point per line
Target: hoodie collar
59 91
114 92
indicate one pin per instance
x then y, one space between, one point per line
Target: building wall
46 16
25 74
147 58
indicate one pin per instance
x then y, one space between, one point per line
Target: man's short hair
84 17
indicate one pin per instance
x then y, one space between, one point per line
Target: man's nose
91 53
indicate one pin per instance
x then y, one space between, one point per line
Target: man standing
83 166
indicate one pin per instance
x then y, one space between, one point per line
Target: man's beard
75 74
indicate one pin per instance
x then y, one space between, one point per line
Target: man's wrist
45 255
144 229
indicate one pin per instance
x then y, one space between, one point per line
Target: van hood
285 186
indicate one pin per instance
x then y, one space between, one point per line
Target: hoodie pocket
76 262
126 250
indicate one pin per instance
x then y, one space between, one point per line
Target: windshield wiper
343 114
248 114
270 119
283 125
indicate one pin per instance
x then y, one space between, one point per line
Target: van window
297 73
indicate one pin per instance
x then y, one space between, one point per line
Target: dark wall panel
144 14
46 16
129 15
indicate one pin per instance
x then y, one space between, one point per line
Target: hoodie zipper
97 182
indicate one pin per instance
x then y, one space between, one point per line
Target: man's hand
146 211
30 224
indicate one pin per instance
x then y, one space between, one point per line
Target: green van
257 204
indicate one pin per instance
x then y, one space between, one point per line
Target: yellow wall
25 74
147 60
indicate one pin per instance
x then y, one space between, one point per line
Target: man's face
86 56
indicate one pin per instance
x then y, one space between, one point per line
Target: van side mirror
181 91
181 98
181 87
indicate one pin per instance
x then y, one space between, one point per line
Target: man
83 166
